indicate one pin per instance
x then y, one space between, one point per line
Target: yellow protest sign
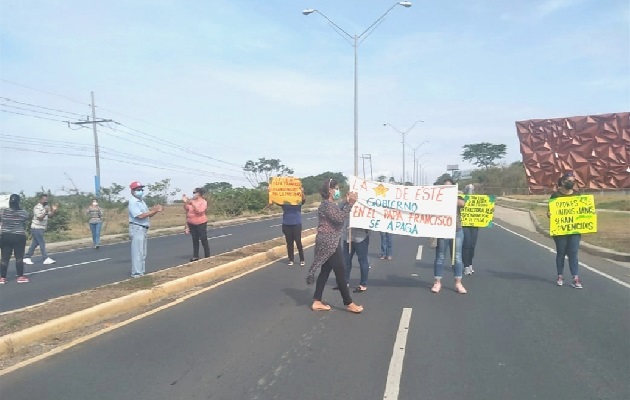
479 211
572 214
285 190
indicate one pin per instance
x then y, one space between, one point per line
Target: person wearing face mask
567 245
13 220
95 219
41 213
328 252
139 223
197 222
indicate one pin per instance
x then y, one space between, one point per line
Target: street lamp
354 41
403 142
415 171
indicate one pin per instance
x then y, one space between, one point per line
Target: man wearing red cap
139 223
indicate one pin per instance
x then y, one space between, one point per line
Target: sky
194 89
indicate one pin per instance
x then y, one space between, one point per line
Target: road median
36 329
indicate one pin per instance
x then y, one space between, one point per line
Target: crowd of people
335 244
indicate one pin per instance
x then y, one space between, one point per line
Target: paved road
514 336
87 268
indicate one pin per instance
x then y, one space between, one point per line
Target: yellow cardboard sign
479 210
285 190
572 214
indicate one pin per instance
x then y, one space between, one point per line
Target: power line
43 91
35 111
45 108
19 143
30 115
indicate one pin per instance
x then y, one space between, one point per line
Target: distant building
595 147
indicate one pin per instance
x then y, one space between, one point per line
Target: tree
112 193
312 184
159 192
217 187
381 178
259 172
483 154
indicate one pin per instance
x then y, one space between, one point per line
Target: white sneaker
28 261
472 271
468 271
49 261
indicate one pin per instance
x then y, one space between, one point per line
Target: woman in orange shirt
197 222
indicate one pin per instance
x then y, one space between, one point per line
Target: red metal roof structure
595 147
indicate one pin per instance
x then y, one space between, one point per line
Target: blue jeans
386 244
96 233
138 237
440 254
567 246
361 249
38 240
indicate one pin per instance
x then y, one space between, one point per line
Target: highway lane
87 268
516 335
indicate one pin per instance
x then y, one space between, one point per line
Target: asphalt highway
515 335
87 268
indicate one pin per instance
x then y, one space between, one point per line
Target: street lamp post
415 148
416 165
355 40
403 143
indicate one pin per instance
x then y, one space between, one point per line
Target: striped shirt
14 221
95 214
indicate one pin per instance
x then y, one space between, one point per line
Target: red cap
135 185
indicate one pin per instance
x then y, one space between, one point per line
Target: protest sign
285 190
572 214
421 211
479 210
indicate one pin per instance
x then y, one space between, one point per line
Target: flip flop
354 308
320 307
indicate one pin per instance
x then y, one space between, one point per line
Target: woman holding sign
328 252
470 239
566 245
292 228
440 255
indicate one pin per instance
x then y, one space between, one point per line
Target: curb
21 339
587 247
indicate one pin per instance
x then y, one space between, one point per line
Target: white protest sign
422 211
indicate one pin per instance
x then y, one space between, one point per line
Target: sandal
319 306
354 308
360 289
459 288
437 286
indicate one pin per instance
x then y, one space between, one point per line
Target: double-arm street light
403 142
355 40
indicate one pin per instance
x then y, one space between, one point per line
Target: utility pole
97 177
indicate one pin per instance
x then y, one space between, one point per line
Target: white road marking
605 275
273 226
67 266
220 236
396 363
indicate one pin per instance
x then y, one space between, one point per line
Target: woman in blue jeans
386 245
441 251
567 245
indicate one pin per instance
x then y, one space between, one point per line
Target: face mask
45 203
94 203
139 193
569 185
337 194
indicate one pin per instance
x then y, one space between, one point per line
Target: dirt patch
17 320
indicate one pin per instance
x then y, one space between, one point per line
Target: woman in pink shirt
197 222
